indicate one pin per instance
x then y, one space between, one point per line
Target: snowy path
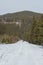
21 53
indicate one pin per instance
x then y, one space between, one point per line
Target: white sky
8 6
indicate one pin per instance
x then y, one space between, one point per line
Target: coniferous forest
25 25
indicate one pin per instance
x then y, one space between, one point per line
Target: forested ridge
24 25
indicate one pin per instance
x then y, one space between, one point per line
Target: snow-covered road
21 53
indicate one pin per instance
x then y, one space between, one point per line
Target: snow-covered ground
21 53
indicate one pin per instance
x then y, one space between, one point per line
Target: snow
21 53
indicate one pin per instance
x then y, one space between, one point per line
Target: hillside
20 15
23 25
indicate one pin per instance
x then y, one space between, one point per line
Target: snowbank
21 53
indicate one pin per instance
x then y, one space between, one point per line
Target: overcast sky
8 6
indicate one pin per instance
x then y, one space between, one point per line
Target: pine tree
41 29
33 30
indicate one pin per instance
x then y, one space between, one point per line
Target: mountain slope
21 14
26 25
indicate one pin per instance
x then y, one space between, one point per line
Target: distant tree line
31 30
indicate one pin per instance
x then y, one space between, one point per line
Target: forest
30 29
